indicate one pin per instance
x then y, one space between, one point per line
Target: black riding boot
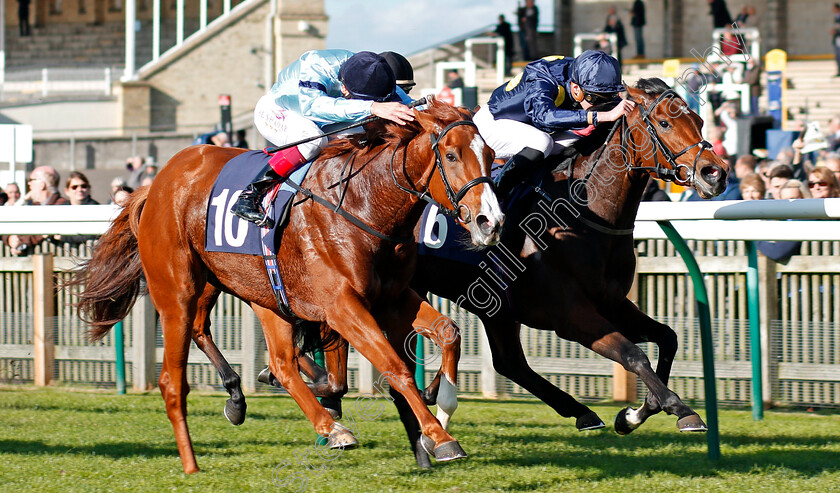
515 170
249 204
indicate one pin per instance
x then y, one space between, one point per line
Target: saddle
228 233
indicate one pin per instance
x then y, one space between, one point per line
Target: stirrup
265 222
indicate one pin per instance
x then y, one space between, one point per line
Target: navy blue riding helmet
367 75
596 72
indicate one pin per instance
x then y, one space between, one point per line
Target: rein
663 173
454 197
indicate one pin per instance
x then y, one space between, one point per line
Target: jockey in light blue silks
548 107
322 87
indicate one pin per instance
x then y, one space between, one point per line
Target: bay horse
354 280
574 263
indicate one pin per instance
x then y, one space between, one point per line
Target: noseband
454 197
663 173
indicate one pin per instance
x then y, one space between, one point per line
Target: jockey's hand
395 112
622 109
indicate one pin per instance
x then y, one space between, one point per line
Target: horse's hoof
268 378
341 437
589 421
333 406
442 453
691 423
234 413
448 451
429 396
421 456
622 426
428 445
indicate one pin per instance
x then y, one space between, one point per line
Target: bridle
454 197
661 172
672 173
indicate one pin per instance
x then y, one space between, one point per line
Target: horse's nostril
484 225
711 173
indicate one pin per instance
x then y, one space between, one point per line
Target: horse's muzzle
486 231
710 180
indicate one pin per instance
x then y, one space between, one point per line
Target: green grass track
61 440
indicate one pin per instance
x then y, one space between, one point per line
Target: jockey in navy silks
546 108
321 88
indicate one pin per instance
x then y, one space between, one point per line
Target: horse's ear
634 94
427 121
625 94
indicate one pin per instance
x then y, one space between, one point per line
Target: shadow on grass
113 450
612 456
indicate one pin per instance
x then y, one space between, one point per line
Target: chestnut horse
354 280
576 262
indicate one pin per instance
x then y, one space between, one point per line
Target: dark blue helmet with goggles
367 75
595 71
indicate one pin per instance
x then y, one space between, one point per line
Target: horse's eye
450 156
664 124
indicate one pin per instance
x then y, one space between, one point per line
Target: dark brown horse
336 273
575 261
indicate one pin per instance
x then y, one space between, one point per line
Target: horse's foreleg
235 406
335 385
349 315
509 361
642 328
279 338
614 345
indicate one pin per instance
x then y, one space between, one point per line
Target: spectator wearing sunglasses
546 108
77 189
823 184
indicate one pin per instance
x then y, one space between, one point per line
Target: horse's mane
385 132
652 86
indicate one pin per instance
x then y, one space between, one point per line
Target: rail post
755 331
43 291
119 349
702 298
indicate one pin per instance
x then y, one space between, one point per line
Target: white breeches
509 137
281 126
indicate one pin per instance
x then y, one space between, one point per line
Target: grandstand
93 100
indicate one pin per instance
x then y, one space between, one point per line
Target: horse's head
665 135
460 181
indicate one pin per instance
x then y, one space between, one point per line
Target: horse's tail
111 279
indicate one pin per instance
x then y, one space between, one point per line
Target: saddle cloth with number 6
228 233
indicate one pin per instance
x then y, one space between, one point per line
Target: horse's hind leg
283 352
235 406
638 327
176 316
441 330
509 361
